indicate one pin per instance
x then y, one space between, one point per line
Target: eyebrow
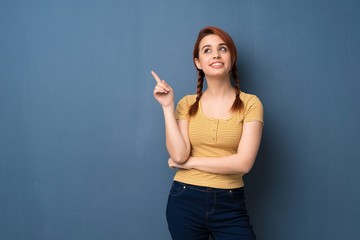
221 44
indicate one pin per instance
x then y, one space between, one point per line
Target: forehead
212 40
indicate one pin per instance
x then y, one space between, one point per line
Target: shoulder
187 100
182 108
253 108
249 99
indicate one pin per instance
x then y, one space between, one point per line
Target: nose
217 55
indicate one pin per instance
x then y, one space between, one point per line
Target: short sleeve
254 110
182 108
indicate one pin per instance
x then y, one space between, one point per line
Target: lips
217 64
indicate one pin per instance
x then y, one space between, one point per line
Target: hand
163 93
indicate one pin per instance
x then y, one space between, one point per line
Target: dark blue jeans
196 213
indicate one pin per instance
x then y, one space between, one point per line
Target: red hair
237 105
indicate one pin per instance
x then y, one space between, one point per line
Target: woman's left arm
241 162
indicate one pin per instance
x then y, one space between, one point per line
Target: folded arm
241 162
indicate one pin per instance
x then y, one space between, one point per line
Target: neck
219 87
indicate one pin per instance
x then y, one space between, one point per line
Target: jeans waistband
205 189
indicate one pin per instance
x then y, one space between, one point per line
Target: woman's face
214 57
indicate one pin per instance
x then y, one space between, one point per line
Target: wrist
169 108
191 162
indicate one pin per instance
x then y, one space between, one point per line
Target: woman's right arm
176 131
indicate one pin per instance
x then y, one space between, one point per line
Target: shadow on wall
274 173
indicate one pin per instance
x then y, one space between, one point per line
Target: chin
219 74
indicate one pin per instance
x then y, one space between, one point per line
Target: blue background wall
82 152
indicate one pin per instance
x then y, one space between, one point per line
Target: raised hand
163 93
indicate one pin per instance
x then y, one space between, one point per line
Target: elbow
247 168
240 170
178 155
245 161
179 159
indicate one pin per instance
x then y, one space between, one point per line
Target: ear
197 63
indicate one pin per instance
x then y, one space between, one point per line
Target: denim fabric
196 213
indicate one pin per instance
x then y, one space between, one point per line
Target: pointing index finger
158 80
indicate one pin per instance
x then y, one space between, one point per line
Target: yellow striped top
210 137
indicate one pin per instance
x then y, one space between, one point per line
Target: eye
207 50
223 49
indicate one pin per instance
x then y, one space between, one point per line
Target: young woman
212 138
